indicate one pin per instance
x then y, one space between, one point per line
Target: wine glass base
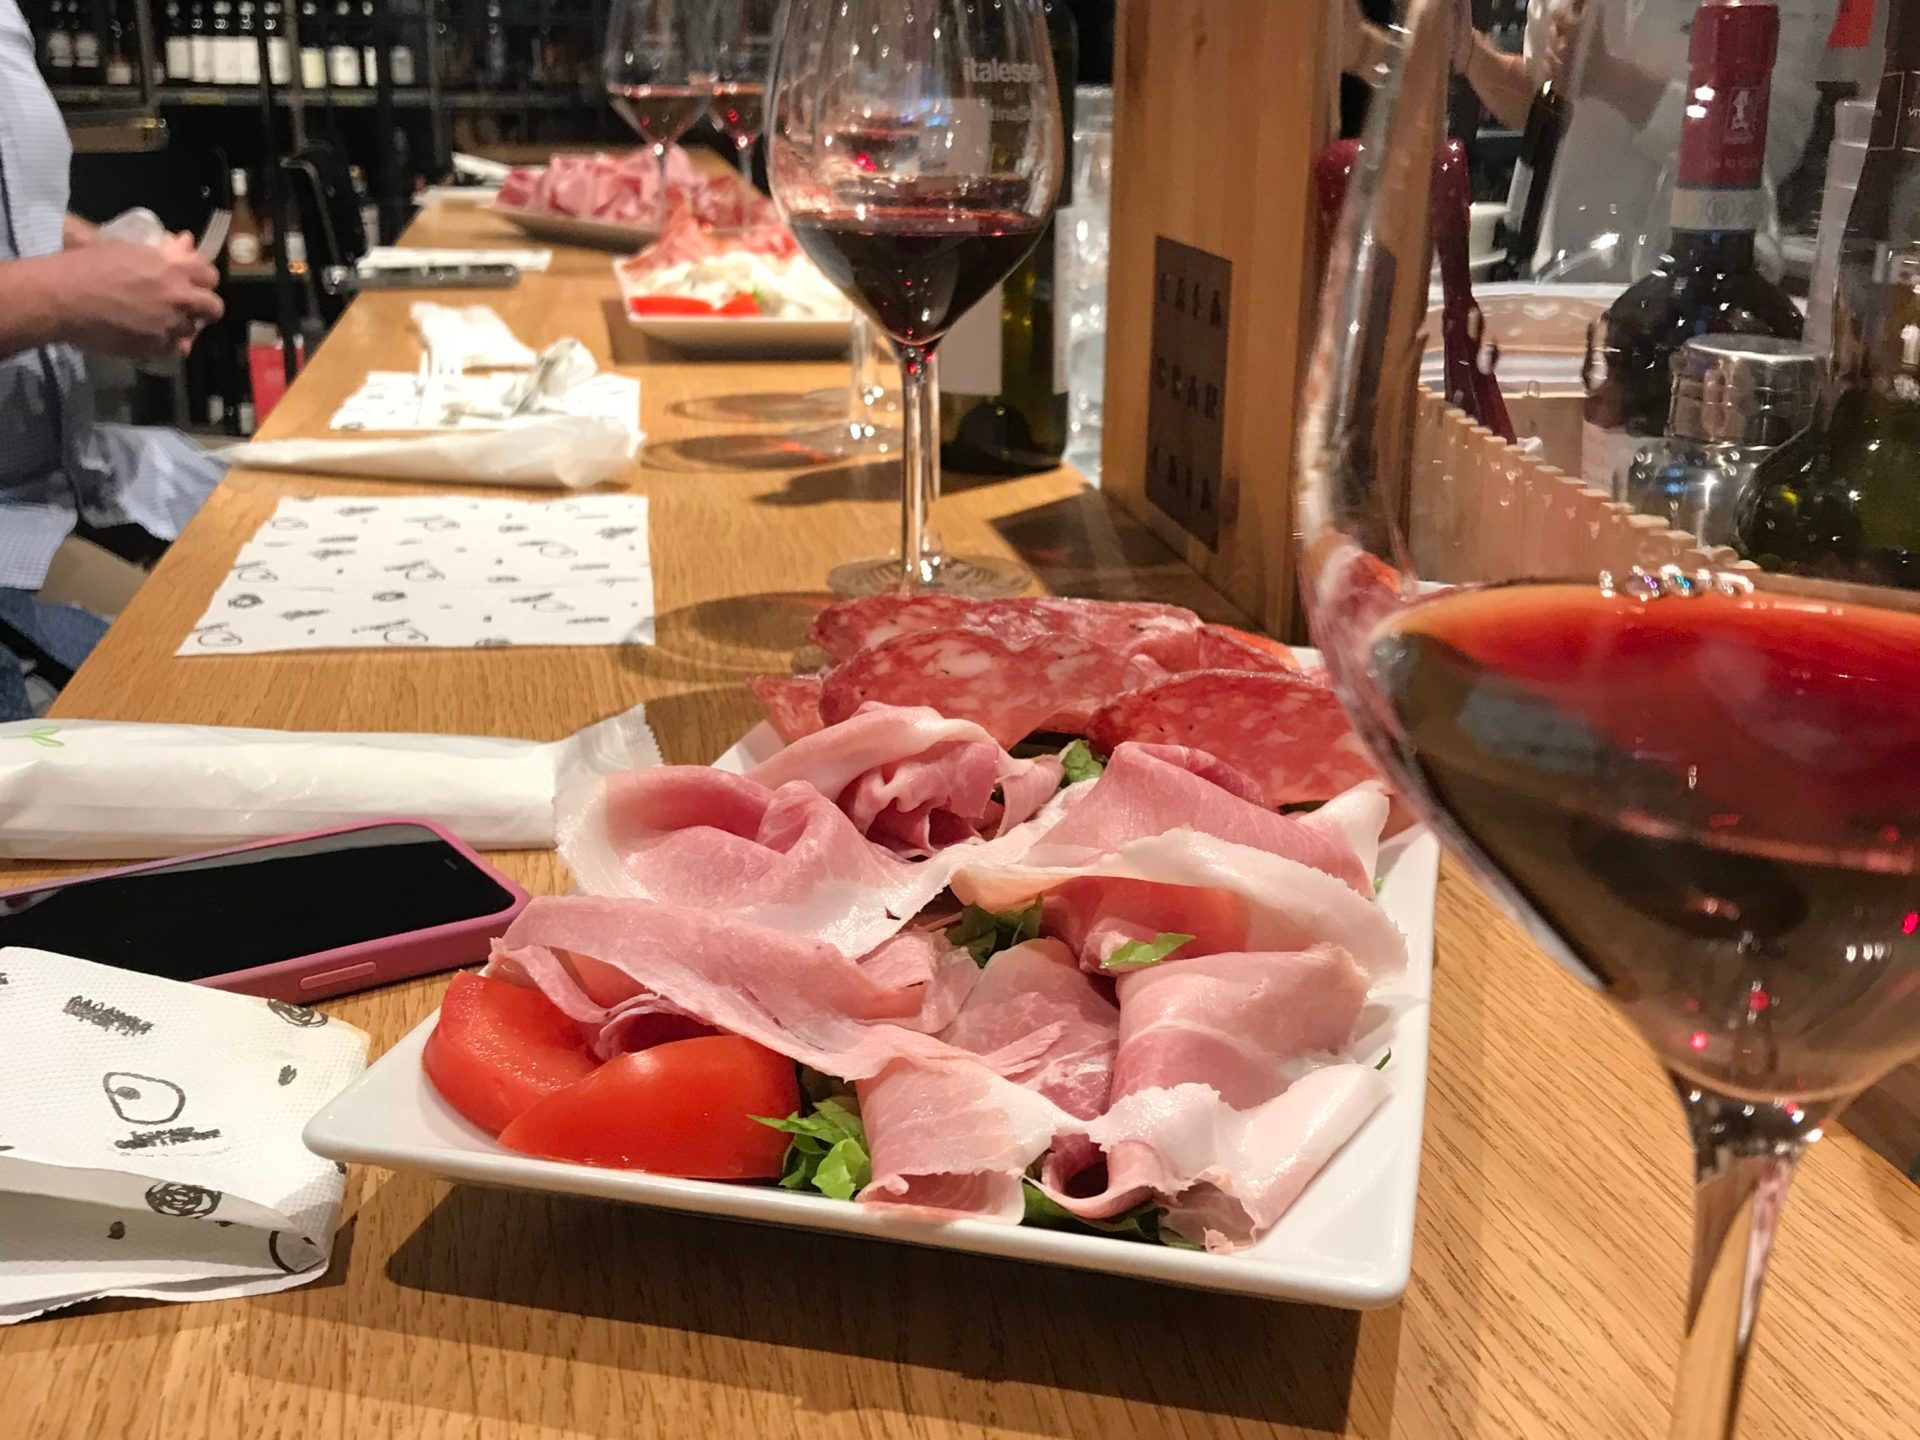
977 577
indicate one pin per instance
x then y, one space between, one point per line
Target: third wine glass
659 70
914 147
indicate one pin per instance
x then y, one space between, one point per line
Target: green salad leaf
1381 1063
985 933
1079 763
828 1152
1141 1223
1138 954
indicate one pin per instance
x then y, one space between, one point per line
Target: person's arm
75 232
111 297
1500 80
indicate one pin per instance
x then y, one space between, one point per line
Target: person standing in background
1621 66
64 291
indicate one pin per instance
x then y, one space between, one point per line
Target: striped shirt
57 465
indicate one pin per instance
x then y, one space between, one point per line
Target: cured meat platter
1116 1006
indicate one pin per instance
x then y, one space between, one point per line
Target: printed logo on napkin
150 1138
436 572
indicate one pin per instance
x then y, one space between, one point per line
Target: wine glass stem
1744 1161
660 159
919 404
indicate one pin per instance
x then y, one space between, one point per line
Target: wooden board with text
1219 109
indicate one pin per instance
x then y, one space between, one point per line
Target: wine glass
659 70
1698 789
914 148
743 36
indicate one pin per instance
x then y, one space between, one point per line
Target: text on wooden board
1187 386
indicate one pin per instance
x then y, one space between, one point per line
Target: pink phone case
307 978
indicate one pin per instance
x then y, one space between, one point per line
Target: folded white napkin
546 452
116 790
473 337
151 1138
396 257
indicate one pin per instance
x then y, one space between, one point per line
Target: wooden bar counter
1553 1224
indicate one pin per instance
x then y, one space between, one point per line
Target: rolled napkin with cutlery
119 790
543 452
151 1141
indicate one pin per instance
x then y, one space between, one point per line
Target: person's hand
141 301
1563 38
75 232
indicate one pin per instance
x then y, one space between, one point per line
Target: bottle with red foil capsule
1707 283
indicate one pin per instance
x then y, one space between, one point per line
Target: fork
438 373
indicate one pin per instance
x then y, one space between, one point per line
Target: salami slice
1221 647
792 703
1283 729
1165 633
1008 688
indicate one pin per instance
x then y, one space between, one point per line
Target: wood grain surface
1553 1223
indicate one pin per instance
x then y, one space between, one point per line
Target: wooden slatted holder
1214 278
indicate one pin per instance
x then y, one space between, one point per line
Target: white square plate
1347 1241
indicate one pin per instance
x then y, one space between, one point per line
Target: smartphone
298 918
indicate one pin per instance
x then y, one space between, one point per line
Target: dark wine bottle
1003 367
1532 177
1707 283
1841 501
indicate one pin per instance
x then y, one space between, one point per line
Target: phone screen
212 915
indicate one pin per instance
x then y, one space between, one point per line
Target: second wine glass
914 148
659 70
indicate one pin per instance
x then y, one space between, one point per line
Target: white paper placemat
431 572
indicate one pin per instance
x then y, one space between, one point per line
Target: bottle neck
1714 251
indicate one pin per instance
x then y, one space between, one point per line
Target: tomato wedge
668 305
685 1108
744 303
498 1048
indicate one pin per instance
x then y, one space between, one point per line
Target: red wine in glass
1712 799
660 114
737 108
916 271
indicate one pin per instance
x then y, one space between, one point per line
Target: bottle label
179 57
246 61
119 71
1606 456
313 67
1723 136
400 61
1896 112
280 62
343 65
971 362
243 249
60 50
86 50
202 67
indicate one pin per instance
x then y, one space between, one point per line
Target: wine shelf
553 98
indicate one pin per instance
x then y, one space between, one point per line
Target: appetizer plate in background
744 336
572 230
1347 1241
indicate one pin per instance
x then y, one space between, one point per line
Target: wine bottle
244 246
369 52
1707 283
313 50
117 66
343 52
1003 367
246 44
179 47
200 71
86 44
279 52
1532 178
57 52
220 33
1840 501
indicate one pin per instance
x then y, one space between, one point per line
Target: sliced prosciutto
788 858
845 1017
914 781
1283 728
1008 688
1151 789
1229 897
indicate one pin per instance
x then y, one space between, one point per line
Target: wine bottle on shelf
313 50
200 71
86 43
1707 283
343 50
179 46
56 51
400 61
244 246
369 51
1004 404
1840 500
220 42
1532 177
279 50
494 69
246 41
117 66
